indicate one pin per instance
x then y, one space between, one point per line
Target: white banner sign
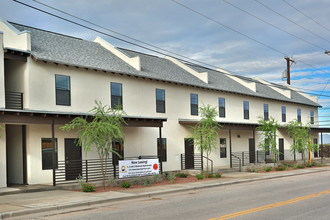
133 168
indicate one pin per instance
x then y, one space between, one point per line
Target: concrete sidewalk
13 205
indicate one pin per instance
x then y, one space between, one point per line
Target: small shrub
88 187
252 169
210 175
125 184
281 167
301 166
182 175
170 177
157 178
267 168
146 182
218 175
113 182
295 166
199 176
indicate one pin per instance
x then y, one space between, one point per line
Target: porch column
231 162
254 144
53 151
322 153
160 150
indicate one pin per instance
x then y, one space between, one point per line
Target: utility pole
288 64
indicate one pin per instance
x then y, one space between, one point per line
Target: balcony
14 100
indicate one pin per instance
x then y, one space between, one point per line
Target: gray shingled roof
58 48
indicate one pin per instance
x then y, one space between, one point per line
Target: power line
135 44
274 26
292 21
316 22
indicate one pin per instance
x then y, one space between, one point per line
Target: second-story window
193 104
222 108
283 114
160 100
63 94
312 117
116 95
246 109
266 112
299 115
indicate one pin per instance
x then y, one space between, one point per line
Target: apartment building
47 79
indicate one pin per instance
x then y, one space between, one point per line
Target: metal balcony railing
14 100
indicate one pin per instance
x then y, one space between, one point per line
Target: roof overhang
15 54
225 125
321 129
47 117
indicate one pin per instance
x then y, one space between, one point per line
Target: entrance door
73 163
119 148
189 153
281 148
252 150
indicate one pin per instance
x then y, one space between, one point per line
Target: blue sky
168 25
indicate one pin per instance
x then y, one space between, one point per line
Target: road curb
30 211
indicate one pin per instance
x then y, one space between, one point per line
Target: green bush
281 167
157 178
125 184
210 176
199 176
252 169
301 166
170 177
182 175
295 166
218 175
146 182
267 168
88 187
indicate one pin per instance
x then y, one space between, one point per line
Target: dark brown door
251 150
119 148
189 153
73 163
281 148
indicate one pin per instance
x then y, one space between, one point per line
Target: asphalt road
298 197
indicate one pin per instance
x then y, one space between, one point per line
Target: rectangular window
223 148
299 115
160 100
312 117
222 108
116 95
246 109
283 114
266 112
47 153
161 148
193 104
63 96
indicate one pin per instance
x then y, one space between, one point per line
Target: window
193 104
47 153
63 96
246 109
223 148
222 108
312 117
283 114
299 115
266 112
118 146
116 95
161 148
160 100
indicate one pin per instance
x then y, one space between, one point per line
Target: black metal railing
89 170
14 100
236 162
196 162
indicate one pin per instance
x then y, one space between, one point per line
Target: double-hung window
222 108
160 100
266 112
299 115
283 114
116 95
193 104
312 117
246 109
63 94
223 148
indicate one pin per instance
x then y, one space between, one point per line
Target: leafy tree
100 133
205 131
302 137
268 130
